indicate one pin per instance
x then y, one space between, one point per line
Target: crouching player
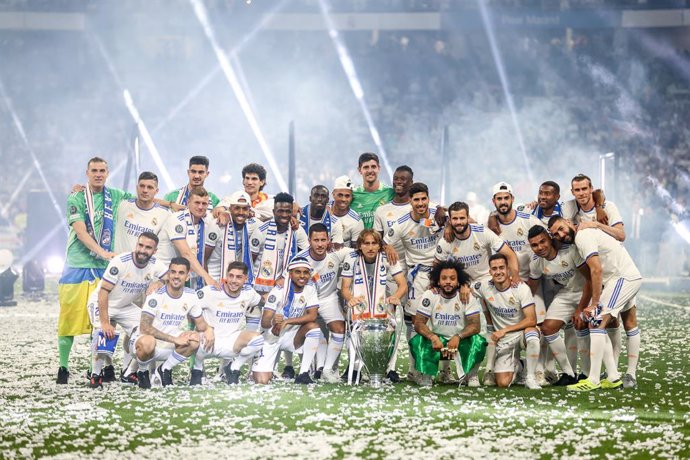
511 312
447 328
289 322
225 310
161 335
113 303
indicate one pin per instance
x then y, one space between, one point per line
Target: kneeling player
225 310
161 336
511 311
113 303
451 322
289 321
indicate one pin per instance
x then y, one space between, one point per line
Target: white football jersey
573 211
351 225
473 252
227 314
132 221
447 316
130 281
615 260
418 239
301 302
170 313
515 235
258 238
214 268
325 271
505 307
562 269
180 226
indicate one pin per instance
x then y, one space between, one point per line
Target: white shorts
329 309
253 319
419 285
563 306
162 351
619 295
508 352
269 353
222 348
126 317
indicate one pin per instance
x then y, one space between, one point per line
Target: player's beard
141 259
460 230
449 291
501 208
571 236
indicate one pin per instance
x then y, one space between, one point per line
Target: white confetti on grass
38 418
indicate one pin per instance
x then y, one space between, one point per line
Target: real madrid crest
564 263
330 265
476 246
520 231
511 300
154 221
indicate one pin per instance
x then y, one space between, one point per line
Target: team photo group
243 287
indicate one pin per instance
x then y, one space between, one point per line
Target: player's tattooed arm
146 327
420 326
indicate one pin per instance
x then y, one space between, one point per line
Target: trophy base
376 380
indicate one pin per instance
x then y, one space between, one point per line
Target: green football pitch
39 418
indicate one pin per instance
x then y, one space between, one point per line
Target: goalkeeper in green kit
447 328
372 193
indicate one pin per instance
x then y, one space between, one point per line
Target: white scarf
268 266
375 295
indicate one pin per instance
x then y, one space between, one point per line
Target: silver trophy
374 340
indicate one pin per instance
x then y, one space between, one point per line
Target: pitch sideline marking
668 304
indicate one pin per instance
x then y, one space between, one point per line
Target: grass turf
39 418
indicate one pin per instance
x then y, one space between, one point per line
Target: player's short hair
199 160
317 227
459 206
95 160
552 184
553 220
148 175
319 186
283 197
369 232
150 235
581 177
238 265
405 168
535 231
255 168
419 187
180 261
498 256
198 191
450 264
368 156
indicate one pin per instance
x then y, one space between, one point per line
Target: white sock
311 344
173 360
96 359
532 339
609 361
322 352
583 349
543 348
394 357
571 345
252 348
199 360
335 346
597 345
490 350
616 342
633 347
557 347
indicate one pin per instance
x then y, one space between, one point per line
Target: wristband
490 328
